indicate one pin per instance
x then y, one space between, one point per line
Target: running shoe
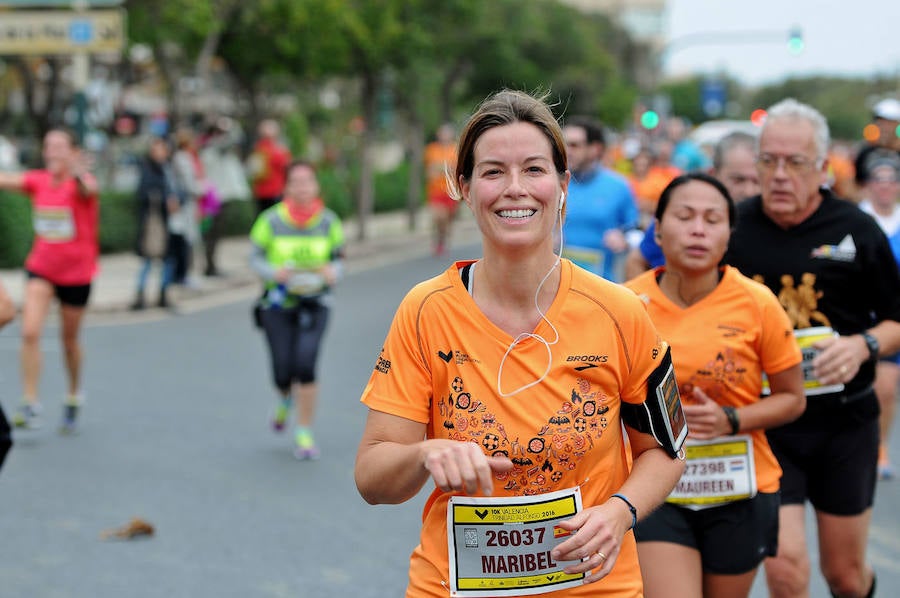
28 416
282 410
70 414
305 447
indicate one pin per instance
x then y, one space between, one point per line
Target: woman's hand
840 358
598 539
82 163
705 417
282 275
80 166
329 274
462 466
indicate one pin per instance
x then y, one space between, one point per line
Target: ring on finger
601 555
844 369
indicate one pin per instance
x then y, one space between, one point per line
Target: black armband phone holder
660 414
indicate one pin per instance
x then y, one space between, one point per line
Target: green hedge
118 219
15 229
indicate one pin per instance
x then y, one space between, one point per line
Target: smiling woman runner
490 386
726 331
62 263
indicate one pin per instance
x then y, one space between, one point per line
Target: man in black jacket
832 268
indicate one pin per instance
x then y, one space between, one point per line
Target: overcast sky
859 37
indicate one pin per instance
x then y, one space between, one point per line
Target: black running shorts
75 295
732 539
830 455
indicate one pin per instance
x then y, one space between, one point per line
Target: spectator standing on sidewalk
267 166
224 176
189 185
156 200
62 264
298 247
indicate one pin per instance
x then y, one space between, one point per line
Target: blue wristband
630 508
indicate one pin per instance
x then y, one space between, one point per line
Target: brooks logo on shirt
588 358
587 361
845 251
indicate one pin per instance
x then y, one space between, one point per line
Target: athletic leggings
294 335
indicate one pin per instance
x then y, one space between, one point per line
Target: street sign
62 31
712 97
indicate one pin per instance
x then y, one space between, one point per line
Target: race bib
501 546
716 472
806 337
54 224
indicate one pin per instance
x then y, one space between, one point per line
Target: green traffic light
795 41
649 119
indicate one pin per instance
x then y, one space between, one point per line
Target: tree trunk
207 52
40 116
415 143
366 190
456 73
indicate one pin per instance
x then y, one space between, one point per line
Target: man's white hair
791 109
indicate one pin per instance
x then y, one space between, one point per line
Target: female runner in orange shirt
726 331
492 391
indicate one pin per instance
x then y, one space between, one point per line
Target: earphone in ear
562 200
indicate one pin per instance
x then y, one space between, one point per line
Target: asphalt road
175 431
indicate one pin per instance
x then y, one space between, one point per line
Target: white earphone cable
533 335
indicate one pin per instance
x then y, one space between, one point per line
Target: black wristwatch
733 419
872 345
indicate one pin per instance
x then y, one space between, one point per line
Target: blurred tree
845 102
376 34
45 102
429 60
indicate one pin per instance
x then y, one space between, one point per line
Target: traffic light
871 133
649 119
795 40
758 117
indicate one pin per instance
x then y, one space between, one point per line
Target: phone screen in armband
666 416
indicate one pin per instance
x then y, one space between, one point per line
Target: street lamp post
81 65
793 37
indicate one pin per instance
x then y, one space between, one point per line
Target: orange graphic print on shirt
541 459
